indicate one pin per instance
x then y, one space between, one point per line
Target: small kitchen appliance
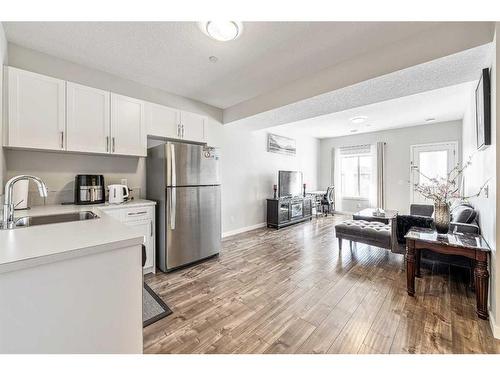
117 193
89 189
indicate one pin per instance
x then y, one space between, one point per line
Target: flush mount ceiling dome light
358 119
222 31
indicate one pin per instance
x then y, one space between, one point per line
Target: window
356 175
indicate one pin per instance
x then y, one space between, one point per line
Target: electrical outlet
124 182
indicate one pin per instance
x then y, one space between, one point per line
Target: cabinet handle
178 130
137 213
151 228
182 128
113 144
107 143
62 140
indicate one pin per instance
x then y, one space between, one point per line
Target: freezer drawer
193 224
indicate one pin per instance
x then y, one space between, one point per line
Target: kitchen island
73 287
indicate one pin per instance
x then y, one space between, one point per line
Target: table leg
481 280
418 254
410 267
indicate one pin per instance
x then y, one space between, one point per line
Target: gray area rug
153 307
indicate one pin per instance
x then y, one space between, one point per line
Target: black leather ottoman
372 233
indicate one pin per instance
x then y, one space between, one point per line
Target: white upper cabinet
88 119
192 127
128 128
162 121
46 113
37 111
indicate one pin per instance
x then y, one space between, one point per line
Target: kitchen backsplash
64 196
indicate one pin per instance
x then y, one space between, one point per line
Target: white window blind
355 150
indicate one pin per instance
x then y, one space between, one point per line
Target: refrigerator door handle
173 203
173 194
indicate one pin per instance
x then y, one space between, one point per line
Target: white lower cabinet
142 219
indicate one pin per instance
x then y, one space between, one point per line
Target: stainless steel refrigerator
184 181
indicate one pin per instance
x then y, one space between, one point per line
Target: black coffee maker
89 189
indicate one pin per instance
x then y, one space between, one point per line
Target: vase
442 217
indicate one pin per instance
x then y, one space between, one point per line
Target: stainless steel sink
29 221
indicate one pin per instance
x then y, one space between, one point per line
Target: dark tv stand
282 212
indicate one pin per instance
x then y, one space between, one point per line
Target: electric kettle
118 193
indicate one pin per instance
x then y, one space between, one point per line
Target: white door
430 161
88 119
192 127
37 110
146 228
162 121
128 127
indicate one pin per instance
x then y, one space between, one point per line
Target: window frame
359 196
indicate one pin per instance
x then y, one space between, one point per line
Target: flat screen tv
483 110
290 183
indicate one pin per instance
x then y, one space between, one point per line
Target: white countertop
31 246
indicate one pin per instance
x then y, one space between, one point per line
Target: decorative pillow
463 214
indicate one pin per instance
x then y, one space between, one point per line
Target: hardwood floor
292 291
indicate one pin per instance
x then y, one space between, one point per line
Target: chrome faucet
8 205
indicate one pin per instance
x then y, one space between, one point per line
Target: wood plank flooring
292 291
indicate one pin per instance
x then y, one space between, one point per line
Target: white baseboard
495 329
242 230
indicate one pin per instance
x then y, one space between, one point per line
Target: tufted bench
372 233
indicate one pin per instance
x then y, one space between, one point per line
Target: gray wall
398 142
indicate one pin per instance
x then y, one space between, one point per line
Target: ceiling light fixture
222 31
358 119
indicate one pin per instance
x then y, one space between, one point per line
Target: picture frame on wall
281 145
483 111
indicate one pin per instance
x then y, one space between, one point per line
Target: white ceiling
173 56
450 70
445 104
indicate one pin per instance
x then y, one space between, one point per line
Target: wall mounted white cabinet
172 123
192 127
51 114
36 111
128 127
162 121
88 119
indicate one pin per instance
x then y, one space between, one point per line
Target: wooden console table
471 246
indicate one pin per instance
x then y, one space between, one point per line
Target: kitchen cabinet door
128 127
192 127
162 121
88 119
145 227
37 110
